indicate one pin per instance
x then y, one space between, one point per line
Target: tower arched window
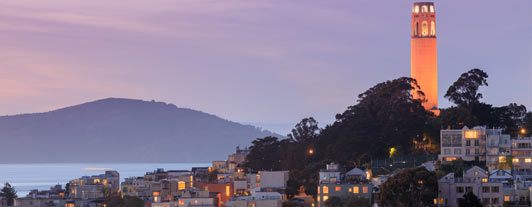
432 8
424 8
416 26
424 29
416 9
432 28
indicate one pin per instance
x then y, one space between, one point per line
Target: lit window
227 191
424 29
471 134
181 185
424 8
319 199
365 189
338 188
416 9
432 28
506 198
416 29
181 202
502 159
431 8
484 180
319 190
325 198
195 201
355 190
515 160
528 160
325 190
96 180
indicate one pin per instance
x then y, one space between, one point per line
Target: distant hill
121 130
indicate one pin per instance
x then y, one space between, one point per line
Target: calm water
25 177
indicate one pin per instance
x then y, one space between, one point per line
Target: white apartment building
476 144
522 156
466 144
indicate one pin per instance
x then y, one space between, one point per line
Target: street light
523 131
310 151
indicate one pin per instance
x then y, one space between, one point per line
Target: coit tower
423 61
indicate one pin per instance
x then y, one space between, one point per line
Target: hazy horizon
266 63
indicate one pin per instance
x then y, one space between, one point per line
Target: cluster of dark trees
113 198
9 193
351 201
385 117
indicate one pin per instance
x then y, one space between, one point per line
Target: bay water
42 176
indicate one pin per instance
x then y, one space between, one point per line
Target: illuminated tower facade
423 62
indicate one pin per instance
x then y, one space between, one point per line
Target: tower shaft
423 53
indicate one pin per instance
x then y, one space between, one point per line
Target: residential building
220 166
189 198
522 156
237 159
334 182
258 198
476 180
273 179
91 187
225 190
476 144
38 202
3 201
498 149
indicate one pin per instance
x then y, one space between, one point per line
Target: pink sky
265 62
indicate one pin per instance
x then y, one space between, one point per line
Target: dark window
495 201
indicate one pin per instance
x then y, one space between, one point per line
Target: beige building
258 198
475 180
522 156
476 144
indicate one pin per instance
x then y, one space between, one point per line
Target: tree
264 154
305 131
464 91
212 176
385 116
334 201
9 193
527 124
469 200
114 199
354 201
347 201
132 201
411 187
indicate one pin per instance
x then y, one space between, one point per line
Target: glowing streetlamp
310 151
